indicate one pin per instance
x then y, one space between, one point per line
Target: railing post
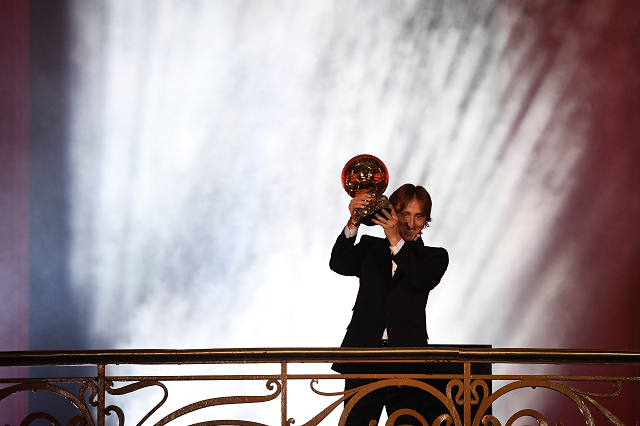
101 394
283 395
467 394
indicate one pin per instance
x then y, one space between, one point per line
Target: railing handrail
309 355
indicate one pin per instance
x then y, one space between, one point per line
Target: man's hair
407 192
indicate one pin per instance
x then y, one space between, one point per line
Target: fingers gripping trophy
366 177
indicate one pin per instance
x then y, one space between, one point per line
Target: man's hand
390 225
358 202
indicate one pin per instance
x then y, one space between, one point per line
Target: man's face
411 220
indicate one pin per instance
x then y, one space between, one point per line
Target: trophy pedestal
366 215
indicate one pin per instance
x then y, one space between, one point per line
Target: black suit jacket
396 303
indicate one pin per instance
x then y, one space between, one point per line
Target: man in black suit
396 275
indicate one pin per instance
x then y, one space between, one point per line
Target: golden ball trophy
366 174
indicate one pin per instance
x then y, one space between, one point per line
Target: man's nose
410 222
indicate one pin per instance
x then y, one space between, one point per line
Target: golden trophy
366 174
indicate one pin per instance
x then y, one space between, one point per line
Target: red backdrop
14 188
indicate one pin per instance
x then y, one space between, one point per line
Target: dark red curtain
599 304
14 190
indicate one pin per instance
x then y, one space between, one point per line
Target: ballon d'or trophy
366 174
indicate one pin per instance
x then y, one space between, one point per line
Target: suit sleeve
346 256
423 269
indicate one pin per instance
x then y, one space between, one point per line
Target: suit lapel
396 277
399 274
383 260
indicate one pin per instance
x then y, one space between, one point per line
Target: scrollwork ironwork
224 401
475 397
361 391
455 396
132 388
542 421
93 397
577 396
465 398
78 402
458 383
391 421
40 416
115 409
324 413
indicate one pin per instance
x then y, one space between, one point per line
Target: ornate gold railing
465 394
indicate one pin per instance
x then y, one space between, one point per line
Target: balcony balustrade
459 379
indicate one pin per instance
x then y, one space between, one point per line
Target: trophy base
368 219
366 215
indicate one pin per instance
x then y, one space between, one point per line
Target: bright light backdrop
207 140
